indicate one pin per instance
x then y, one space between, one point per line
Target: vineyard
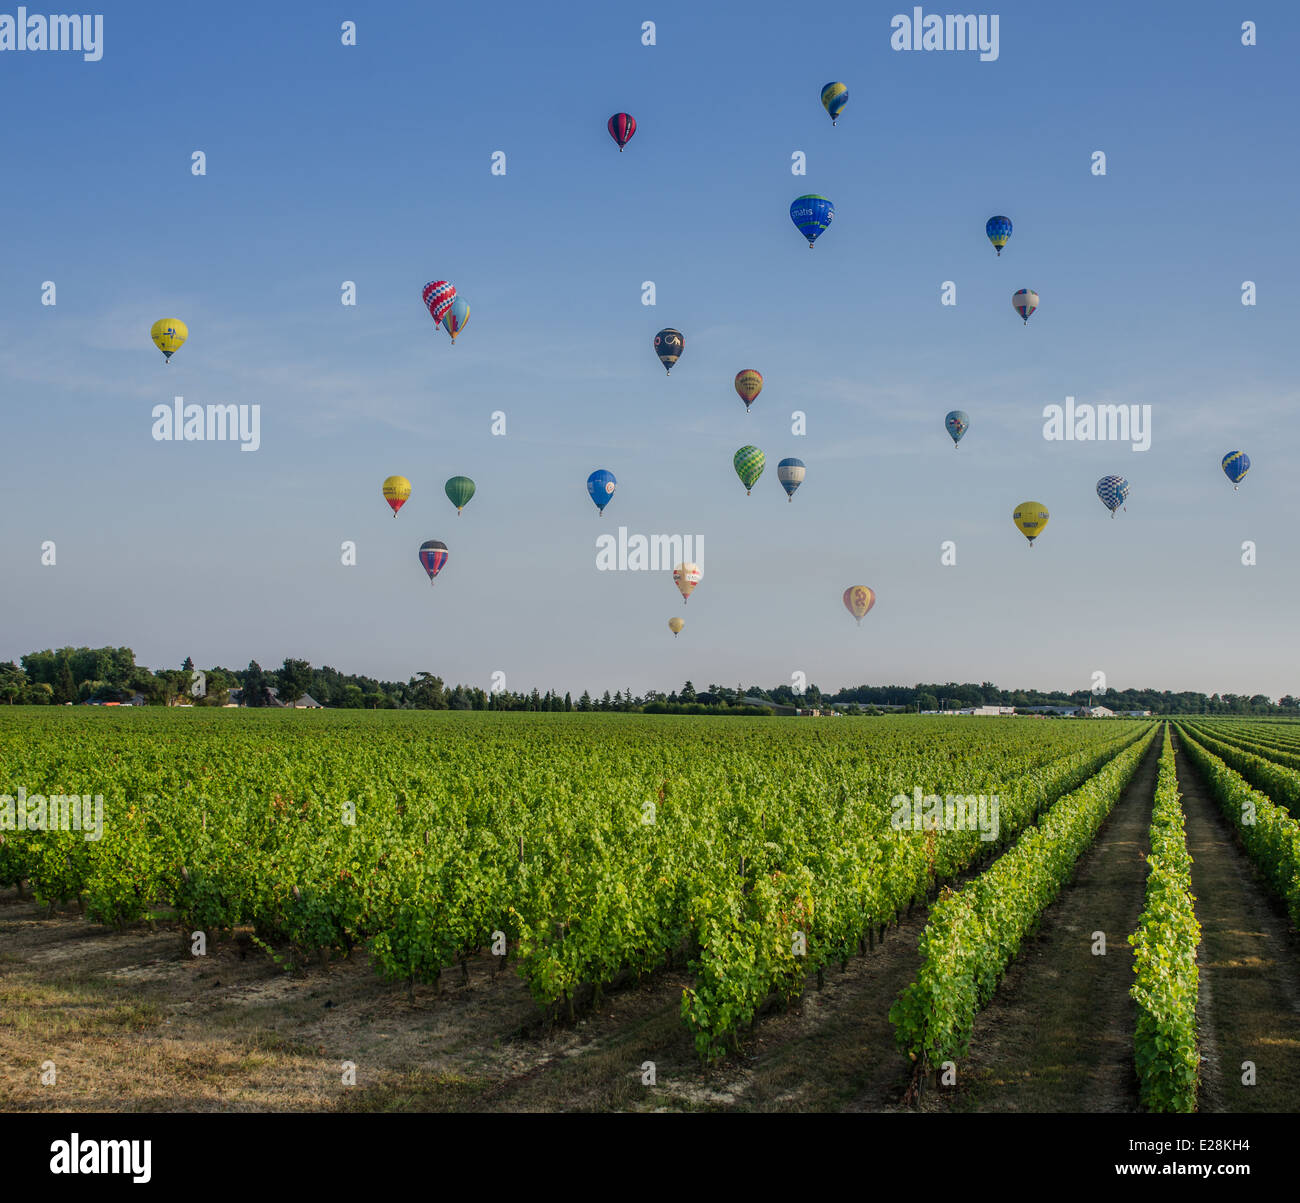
749 864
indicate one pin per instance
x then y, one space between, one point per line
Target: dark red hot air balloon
621 128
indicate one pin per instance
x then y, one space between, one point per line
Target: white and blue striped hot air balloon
790 472
1113 491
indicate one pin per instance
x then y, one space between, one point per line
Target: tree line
108 674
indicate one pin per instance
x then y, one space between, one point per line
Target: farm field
535 912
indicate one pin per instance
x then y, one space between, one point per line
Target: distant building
1094 712
1135 713
307 702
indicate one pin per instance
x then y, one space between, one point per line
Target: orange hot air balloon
858 599
749 384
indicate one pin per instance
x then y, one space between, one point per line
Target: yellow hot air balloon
1031 519
675 625
397 492
686 577
858 599
169 335
749 384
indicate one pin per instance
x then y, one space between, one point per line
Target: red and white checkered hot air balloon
438 296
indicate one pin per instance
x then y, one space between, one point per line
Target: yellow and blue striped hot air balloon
834 98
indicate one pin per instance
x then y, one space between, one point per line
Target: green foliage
1164 960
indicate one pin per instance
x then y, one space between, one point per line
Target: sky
373 163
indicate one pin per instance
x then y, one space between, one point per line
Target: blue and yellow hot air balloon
812 214
1030 518
790 472
957 424
669 345
999 231
169 335
1113 491
834 98
600 484
749 463
455 318
1235 466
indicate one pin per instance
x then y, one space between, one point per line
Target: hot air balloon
958 423
438 296
790 472
1024 302
669 345
433 555
749 384
455 318
686 577
397 492
1113 491
858 599
1031 518
834 98
675 625
459 490
169 335
999 231
600 484
812 214
1235 465
749 463
621 127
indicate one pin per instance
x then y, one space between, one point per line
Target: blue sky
372 163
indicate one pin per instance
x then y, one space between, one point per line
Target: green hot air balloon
749 463
459 490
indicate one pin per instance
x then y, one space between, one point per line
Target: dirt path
1058 1034
1249 1003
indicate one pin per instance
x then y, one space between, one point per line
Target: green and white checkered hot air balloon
749 463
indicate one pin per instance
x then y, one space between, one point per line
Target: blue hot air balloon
1113 491
998 230
812 214
957 423
790 472
600 484
1235 466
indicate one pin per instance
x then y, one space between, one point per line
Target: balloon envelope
812 214
433 555
686 577
858 599
621 127
600 484
453 321
459 490
1024 302
169 335
1235 466
1113 491
669 345
438 296
957 423
675 625
999 231
790 472
749 463
1030 518
397 492
749 384
834 97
